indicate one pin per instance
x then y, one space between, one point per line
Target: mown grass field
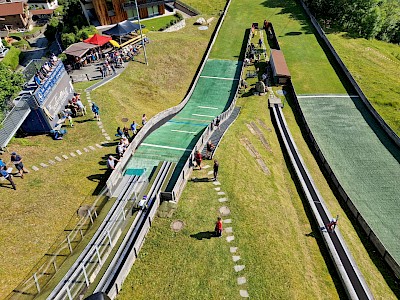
46 201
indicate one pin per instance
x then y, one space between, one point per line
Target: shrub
179 16
67 39
62 57
22 44
12 58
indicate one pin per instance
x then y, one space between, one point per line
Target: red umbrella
98 39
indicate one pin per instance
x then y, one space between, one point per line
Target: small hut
280 70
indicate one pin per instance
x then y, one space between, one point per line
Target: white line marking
208 107
327 96
192 119
183 131
221 78
203 116
166 147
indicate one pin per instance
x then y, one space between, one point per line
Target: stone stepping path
51 162
230 238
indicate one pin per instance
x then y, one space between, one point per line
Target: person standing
144 119
218 227
198 158
112 162
210 148
96 111
134 127
8 176
17 161
216 167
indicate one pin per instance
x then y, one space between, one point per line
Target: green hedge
12 58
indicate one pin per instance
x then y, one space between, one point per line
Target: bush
68 39
62 57
179 16
22 44
12 58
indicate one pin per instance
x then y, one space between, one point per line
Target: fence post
109 235
54 265
81 232
69 244
90 216
98 256
85 274
69 293
36 282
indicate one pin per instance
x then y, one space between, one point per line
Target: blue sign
44 90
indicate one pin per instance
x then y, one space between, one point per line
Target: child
218 227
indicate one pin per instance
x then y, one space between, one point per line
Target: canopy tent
122 28
98 39
79 49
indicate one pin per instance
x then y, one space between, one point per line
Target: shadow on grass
293 9
6 185
101 180
203 235
204 179
374 255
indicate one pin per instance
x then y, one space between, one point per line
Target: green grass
156 23
22 34
46 201
376 67
207 7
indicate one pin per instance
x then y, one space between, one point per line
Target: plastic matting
363 159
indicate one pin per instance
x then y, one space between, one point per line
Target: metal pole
85 274
36 282
141 34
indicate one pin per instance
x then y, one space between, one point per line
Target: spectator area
354 147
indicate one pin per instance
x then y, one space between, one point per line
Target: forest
378 19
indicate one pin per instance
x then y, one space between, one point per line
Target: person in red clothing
198 157
218 227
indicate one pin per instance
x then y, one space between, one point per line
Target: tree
11 83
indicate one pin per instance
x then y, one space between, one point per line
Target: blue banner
42 92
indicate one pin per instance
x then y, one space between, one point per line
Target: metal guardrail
44 271
127 253
91 260
349 273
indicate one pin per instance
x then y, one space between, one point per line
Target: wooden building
14 15
115 11
279 68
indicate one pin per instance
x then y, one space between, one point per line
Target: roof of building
11 8
279 63
41 11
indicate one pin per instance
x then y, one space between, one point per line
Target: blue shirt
133 126
2 164
4 173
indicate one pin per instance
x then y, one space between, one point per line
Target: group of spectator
43 73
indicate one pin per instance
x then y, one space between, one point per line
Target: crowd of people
44 71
